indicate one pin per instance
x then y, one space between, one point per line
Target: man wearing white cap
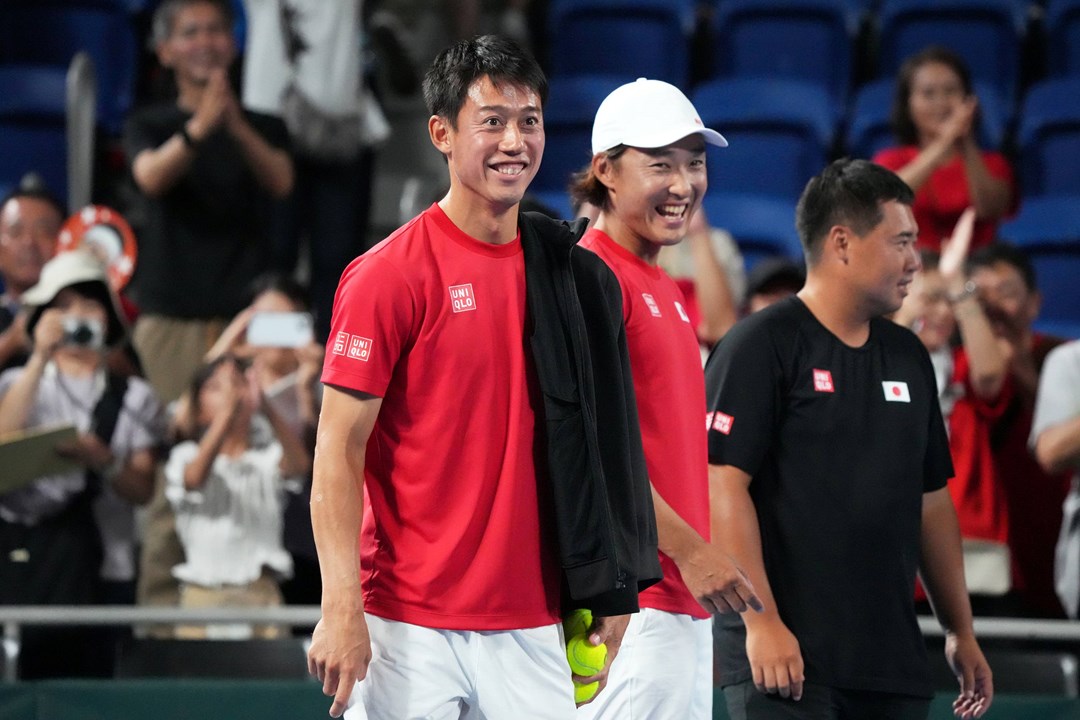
648 178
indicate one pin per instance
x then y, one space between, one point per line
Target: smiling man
479 415
829 454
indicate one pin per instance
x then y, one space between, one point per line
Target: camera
84 332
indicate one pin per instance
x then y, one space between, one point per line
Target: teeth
673 210
510 169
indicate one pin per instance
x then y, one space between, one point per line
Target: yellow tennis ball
585 659
577 622
582 693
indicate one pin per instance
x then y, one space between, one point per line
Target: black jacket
604 517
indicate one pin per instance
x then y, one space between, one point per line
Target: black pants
819 702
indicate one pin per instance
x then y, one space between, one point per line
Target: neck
496 225
235 443
617 230
189 94
842 314
77 362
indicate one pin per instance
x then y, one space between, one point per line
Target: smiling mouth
673 212
512 170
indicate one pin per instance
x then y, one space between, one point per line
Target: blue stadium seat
780 134
33 134
568 120
1048 137
762 226
986 33
1062 23
1048 230
809 40
642 38
50 32
869 129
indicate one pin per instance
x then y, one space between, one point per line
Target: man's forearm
337 505
272 167
942 563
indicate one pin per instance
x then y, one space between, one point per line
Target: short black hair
278 282
36 193
847 192
456 68
1000 251
900 118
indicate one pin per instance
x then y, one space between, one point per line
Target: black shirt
201 243
841 443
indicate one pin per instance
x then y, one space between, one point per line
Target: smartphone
280 329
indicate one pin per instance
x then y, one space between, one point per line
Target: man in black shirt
829 452
206 170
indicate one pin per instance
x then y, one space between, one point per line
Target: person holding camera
51 548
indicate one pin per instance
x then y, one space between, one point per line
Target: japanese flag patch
896 391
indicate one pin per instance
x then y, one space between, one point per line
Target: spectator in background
973 391
934 117
227 488
50 546
1006 284
1055 438
204 168
30 221
303 63
770 281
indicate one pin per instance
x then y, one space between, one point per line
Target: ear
838 243
439 131
604 170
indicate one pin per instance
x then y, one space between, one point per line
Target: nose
513 140
681 185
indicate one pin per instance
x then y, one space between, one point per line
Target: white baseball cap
647 114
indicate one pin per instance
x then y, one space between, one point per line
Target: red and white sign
462 298
896 391
720 422
351 346
651 302
823 381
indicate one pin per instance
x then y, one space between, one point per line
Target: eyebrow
506 109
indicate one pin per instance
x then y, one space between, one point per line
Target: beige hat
75 267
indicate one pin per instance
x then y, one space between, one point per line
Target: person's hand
972 672
608 631
954 252
214 106
716 582
775 659
88 450
310 363
49 332
339 653
957 128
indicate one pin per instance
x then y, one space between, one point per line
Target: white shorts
422 673
662 672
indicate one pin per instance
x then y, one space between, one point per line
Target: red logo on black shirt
462 298
823 381
720 422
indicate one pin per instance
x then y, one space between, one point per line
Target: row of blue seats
807 39
782 132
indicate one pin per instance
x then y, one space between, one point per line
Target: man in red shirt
647 176
451 606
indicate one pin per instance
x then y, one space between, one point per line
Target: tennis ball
585 659
583 693
577 622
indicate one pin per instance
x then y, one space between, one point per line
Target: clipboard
26 455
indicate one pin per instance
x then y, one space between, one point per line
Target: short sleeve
372 322
271 129
1058 399
144 424
742 383
140 134
179 458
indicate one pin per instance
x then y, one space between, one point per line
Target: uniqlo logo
341 343
462 298
359 348
823 381
651 302
721 422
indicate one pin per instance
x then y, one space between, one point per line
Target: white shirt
232 526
